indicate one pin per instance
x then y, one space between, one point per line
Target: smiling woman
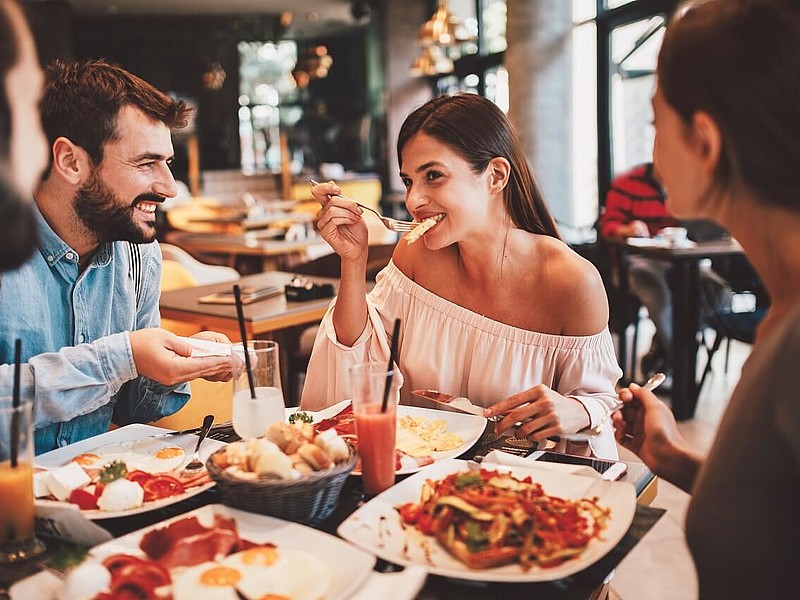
492 304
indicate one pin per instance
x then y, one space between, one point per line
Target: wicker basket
308 500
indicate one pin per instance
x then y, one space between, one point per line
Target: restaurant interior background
282 87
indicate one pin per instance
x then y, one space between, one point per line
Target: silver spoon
196 463
584 436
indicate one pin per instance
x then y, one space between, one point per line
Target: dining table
590 583
248 252
684 282
263 318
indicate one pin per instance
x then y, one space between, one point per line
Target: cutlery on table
215 428
388 222
196 463
588 434
464 405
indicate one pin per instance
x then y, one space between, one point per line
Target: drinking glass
253 416
375 428
17 539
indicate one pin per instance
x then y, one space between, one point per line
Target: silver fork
588 434
388 222
196 463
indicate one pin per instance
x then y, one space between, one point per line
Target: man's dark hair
82 101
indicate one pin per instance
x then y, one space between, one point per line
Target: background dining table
684 284
249 252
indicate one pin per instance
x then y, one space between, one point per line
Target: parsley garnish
300 416
114 470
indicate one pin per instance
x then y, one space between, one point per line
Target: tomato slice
161 486
133 587
145 571
116 562
410 512
139 477
83 499
98 490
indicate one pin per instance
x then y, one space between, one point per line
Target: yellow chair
208 397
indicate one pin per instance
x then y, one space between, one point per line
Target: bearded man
85 305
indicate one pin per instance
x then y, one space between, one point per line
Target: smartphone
610 470
249 294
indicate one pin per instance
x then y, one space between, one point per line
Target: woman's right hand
340 223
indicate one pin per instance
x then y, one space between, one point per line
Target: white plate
363 526
349 565
658 242
468 427
61 456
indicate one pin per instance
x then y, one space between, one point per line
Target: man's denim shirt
78 363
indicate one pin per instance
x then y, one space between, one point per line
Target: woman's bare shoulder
584 305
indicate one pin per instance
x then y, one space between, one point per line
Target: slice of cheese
69 477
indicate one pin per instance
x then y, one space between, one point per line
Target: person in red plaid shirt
635 208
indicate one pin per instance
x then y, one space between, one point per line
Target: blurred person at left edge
23 146
85 305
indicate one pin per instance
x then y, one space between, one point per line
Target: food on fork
422 228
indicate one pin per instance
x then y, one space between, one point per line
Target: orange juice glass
375 428
17 539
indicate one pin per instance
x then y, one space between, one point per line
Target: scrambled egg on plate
418 436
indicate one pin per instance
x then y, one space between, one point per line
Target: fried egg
209 581
152 456
285 572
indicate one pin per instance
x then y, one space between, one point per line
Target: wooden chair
301 340
207 396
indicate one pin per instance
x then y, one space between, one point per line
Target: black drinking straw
390 370
237 294
15 404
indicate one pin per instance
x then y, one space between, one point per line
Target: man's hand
164 357
635 228
220 338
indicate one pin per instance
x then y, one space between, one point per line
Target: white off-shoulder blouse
447 347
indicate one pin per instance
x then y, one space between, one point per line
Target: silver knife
217 427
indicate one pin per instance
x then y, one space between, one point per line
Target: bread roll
273 462
315 456
287 437
334 445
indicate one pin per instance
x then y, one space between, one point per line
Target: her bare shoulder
583 309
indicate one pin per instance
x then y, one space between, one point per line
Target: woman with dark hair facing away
23 146
493 305
727 147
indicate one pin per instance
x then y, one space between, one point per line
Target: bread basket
308 500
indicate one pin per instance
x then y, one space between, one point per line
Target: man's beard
100 211
18 228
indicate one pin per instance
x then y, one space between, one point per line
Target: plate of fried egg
230 554
126 471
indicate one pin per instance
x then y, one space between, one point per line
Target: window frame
606 21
